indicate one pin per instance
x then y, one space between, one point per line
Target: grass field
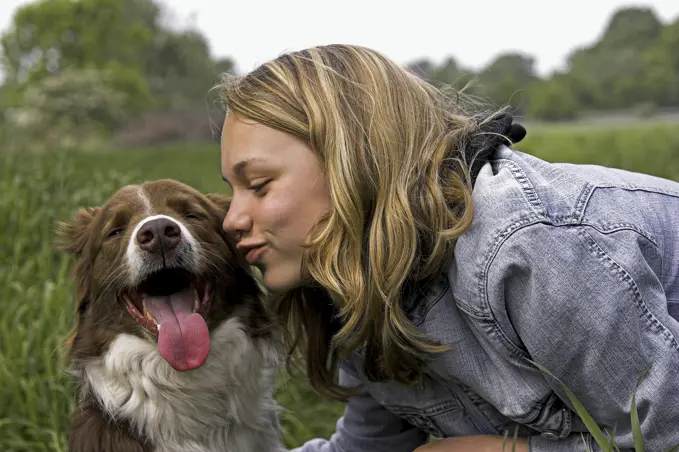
36 305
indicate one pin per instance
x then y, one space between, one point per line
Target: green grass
36 303
648 148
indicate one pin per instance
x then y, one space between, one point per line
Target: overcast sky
474 32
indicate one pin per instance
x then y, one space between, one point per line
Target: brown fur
100 317
95 433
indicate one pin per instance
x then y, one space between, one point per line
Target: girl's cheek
277 210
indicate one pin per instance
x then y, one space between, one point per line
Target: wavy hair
392 150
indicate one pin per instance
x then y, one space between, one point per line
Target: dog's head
154 261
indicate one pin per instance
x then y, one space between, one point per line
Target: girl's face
279 193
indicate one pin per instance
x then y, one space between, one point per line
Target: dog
172 344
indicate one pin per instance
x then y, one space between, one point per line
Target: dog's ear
220 200
73 234
72 237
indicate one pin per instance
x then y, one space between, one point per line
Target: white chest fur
225 405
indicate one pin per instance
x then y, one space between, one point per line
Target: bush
71 109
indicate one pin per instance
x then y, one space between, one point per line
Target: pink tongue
183 336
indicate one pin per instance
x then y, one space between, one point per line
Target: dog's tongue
183 336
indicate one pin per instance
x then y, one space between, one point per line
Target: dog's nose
161 233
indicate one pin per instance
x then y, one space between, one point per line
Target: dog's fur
130 398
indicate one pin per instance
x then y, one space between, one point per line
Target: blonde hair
391 146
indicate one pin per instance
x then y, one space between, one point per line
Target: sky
472 31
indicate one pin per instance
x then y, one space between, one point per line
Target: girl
424 266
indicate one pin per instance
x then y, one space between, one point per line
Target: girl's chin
277 280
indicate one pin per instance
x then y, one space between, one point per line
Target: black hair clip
501 130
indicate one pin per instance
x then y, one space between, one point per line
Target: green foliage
553 100
634 66
651 148
50 35
448 73
631 28
635 62
506 79
180 69
613 73
71 107
661 67
126 42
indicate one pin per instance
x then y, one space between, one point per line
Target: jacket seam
597 252
526 186
644 188
617 227
498 241
583 201
431 305
624 276
488 314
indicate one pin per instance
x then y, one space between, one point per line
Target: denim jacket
574 267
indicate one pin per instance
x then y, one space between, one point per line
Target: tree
660 65
50 35
635 28
131 43
611 73
633 65
180 71
552 99
451 74
225 65
507 77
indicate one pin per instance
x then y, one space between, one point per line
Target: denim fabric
574 267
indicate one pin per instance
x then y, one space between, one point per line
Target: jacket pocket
550 418
426 405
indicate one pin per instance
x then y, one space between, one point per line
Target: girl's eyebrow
240 168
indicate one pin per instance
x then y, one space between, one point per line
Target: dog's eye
193 216
114 232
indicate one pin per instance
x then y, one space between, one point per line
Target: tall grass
646 148
36 304
36 295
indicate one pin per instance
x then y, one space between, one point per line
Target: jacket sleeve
367 426
588 307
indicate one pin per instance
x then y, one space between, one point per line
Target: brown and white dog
172 345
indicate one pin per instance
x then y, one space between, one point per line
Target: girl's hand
478 443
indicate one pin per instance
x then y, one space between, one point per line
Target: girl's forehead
241 137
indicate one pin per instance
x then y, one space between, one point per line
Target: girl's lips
250 249
253 253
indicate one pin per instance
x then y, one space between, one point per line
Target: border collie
172 345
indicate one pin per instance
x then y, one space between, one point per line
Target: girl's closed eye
259 186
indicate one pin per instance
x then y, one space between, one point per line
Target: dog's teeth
147 314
